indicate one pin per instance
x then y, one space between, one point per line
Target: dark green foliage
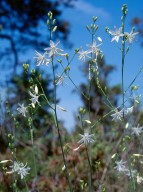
22 27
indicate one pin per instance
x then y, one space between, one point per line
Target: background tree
23 28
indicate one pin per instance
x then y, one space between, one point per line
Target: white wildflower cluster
118 114
20 169
121 168
117 33
50 52
34 100
94 49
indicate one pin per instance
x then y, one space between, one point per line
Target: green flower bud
124 9
54 29
33 71
96 28
76 50
134 87
82 110
54 21
25 67
59 60
31 81
94 18
107 29
87 27
48 22
67 69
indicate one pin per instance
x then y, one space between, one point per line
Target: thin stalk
90 166
134 79
89 112
100 119
73 82
86 148
56 118
123 62
78 88
27 190
12 143
59 135
33 153
123 100
44 95
14 186
104 94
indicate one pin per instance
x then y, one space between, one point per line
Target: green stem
43 94
86 147
33 152
89 162
59 135
73 81
89 112
123 100
134 79
27 190
102 91
123 61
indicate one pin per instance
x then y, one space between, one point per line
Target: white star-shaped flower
86 138
83 55
34 99
117 33
136 130
93 48
117 116
131 36
22 109
41 59
20 169
53 49
120 166
23 170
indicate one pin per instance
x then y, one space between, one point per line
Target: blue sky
109 14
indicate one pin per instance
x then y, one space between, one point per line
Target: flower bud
94 18
25 67
87 27
107 29
76 50
54 21
81 110
54 29
33 71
